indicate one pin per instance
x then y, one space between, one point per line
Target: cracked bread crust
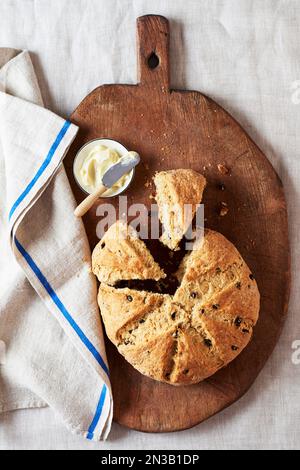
215 276
120 255
174 190
185 338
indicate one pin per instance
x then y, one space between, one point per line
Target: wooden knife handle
87 203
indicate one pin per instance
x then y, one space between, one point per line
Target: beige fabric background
246 55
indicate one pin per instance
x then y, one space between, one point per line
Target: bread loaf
185 338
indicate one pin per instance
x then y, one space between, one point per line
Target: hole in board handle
153 61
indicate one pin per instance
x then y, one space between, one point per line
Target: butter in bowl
103 167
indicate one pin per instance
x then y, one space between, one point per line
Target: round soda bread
185 338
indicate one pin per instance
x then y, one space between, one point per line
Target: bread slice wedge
178 193
121 255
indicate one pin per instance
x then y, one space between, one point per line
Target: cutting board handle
153 52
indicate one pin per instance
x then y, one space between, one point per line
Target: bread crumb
223 169
223 209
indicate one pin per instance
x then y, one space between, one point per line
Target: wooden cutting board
185 129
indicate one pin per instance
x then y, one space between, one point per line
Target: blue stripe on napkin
42 168
98 413
61 306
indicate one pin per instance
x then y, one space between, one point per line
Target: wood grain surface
185 129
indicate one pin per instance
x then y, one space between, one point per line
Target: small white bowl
85 150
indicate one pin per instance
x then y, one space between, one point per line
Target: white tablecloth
246 55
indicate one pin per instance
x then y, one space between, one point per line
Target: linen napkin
51 342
